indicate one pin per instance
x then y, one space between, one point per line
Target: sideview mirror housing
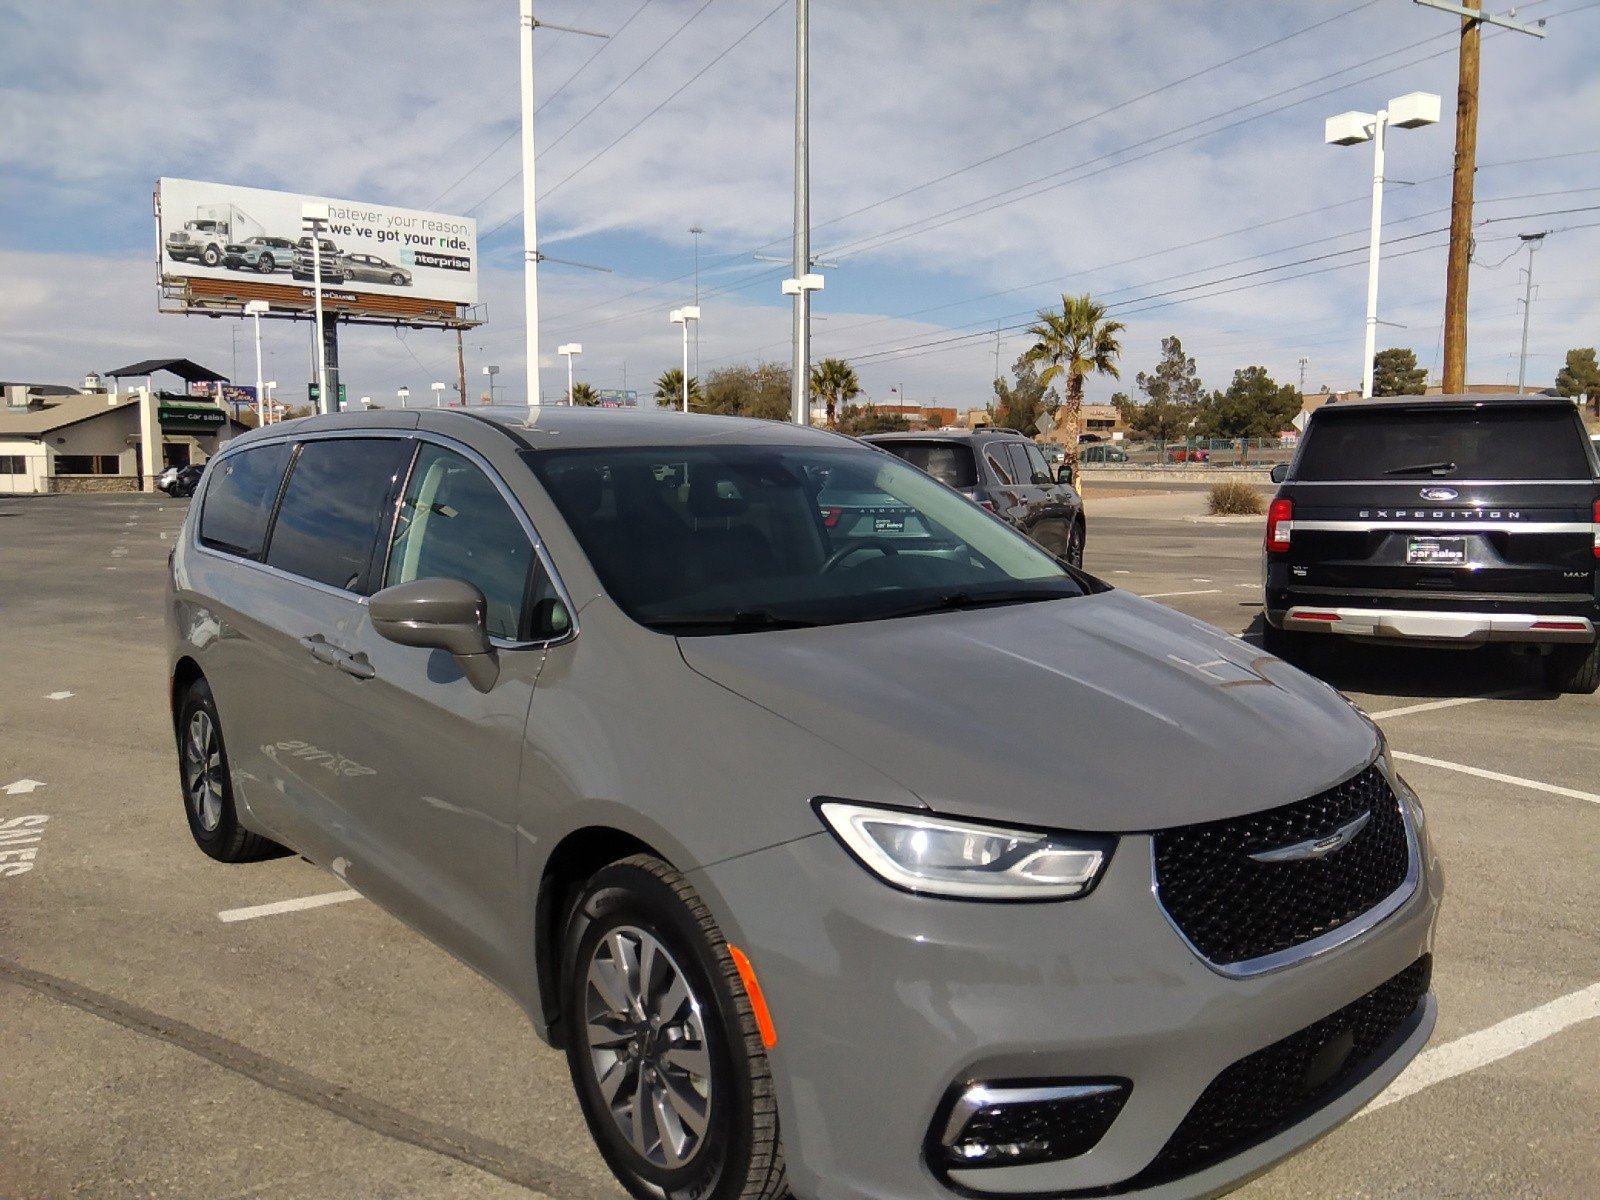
1280 472
439 614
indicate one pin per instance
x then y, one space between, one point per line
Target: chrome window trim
1282 960
1430 481
415 435
1463 524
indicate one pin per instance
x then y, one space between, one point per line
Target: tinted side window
334 507
455 524
1017 456
1037 464
999 463
239 499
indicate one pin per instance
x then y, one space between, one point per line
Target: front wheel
208 784
211 256
397 280
662 1042
265 265
1574 669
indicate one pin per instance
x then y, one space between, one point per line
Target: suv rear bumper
1438 626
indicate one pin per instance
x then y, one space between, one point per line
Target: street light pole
404 393
491 371
1532 241
799 393
1410 111
696 231
438 394
567 350
682 316
255 308
314 217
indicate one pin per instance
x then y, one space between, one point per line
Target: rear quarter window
239 498
337 503
1489 444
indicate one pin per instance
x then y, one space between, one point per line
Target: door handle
355 664
321 649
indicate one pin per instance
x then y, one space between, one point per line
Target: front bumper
884 1000
1467 628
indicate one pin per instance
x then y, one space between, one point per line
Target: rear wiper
1437 468
955 601
742 620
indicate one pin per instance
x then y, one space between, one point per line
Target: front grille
1275 1087
1233 908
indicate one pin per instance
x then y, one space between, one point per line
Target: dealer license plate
1436 552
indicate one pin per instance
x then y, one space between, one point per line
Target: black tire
266 265
208 785
211 256
643 904
1075 542
397 280
1574 669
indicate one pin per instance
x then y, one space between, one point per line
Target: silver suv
838 866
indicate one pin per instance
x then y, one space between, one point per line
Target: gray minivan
838 866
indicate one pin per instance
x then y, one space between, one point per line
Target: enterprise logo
1440 514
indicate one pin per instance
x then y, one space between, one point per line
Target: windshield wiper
744 620
1437 468
956 601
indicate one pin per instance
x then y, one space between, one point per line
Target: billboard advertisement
213 236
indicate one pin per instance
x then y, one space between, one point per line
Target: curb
1238 520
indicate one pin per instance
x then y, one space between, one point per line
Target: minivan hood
1105 713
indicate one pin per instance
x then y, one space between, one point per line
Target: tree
669 389
856 419
1395 373
1581 377
745 391
835 381
584 395
1253 407
1173 393
1020 404
1073 342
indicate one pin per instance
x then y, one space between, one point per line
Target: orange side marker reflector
758 1001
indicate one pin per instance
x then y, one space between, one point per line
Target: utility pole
1466 165
1303 361
997 350
530 227
1532 241
697 231
800 390
461 369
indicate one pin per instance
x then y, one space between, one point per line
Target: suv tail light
1597 528
830 517
1280 523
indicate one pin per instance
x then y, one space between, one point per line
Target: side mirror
1064 474
1280 472
439 614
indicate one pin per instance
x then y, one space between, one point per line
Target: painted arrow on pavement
23 786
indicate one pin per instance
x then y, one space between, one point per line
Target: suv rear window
239 499
948 462
1486 443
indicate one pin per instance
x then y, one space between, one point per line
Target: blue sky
1162 156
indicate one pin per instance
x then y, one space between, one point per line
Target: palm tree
584 395
835 381
669 389
1073 342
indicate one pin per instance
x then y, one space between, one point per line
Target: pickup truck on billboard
205 238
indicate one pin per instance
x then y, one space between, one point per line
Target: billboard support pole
530 231
330 363
312 218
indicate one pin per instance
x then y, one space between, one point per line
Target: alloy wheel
647 1046
202 770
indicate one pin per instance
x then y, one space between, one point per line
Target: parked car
1005 473
1451 521
369 268
264 254
1102 453
1180 454
852 873
180 482
333 266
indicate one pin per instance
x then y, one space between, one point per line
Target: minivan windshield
732 539
1442 443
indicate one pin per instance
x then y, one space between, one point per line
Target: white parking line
1490 1045
1431 705
283 906
1497 777
1164 595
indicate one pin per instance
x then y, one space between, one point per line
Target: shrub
1234 497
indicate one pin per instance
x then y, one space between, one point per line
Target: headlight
939 857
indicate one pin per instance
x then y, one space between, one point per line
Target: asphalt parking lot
171 1027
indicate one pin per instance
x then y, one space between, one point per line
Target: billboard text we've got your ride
213 232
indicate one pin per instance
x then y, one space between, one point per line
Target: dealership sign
219 240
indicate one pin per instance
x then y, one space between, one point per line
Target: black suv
1007 474
1454 520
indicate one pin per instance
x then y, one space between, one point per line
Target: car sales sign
219 232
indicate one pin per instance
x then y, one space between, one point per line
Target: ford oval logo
1439 493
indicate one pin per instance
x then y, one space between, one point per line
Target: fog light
1011 1125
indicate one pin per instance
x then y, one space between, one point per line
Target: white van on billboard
217 231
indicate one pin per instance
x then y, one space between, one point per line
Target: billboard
220 242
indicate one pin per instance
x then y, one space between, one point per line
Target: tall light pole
1410 111
438 394
1532 241
313 219
567 350
256 308
491 371
800 385
682 316
696 231
405 395
272 402
530 226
